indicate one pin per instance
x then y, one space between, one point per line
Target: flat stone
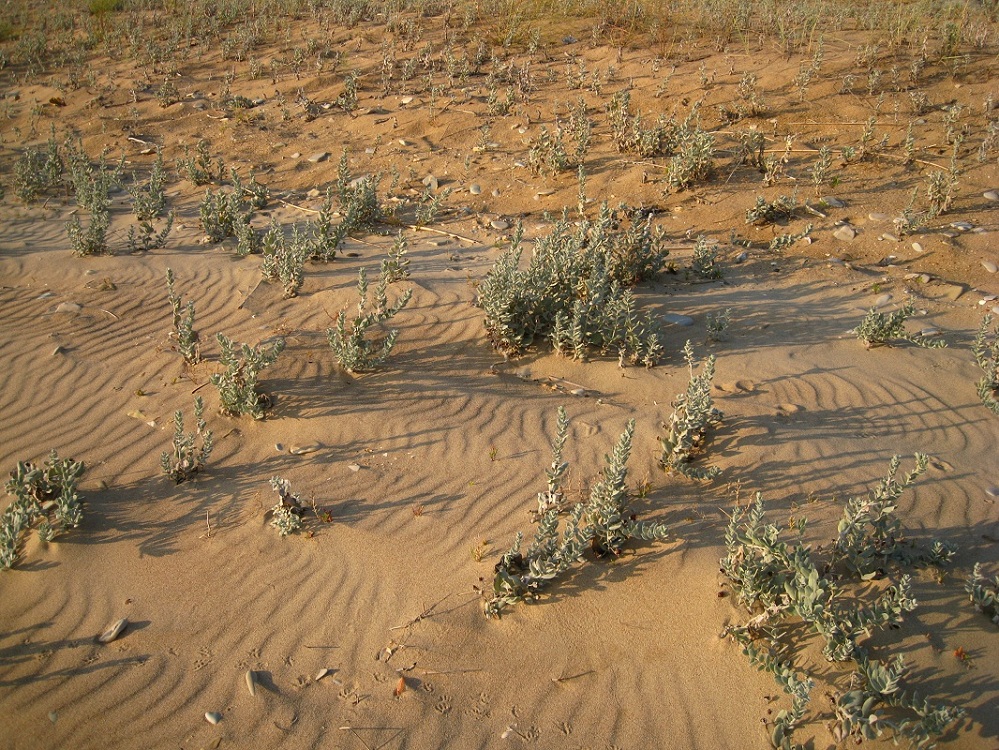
876 216
833 202
545 192
963 226
431 182
883 300
991 195
213 717
952 291
992 492
321 156
845 233
917 247
68 307
475 188
499 224
301 450
406 100
989 266
296 154
678 320
891 237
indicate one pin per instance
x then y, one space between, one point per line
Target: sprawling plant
286 515
284 260
187 458
574 293
354 348
686 430
783 585
986 350
880 329
984 594
237 384
44 496
603 523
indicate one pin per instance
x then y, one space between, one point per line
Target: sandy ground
442 452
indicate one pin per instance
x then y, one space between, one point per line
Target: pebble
58 350
917 247
992 492
431 182
213 717
789 408
833 202
354 467
989 266
279 447
845 233
301 450
321 156
45 295
741 257
991 195
499 224
296 154
406 100
68 307
545 192
114 631
679 320
889 236
475 188
404 142
251 681
931 331
496 193
963 226
324 672
877 216
883 300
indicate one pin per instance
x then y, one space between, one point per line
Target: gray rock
499 224
833 202
475 188
321 156
213 717
963 226
68 307
883 300
846 233
678 320
431 182
991 195
990 266
877 216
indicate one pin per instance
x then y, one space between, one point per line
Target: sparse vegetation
986 349
237 383
686 430
880 329
354 349
187 458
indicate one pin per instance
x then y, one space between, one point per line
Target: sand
436 459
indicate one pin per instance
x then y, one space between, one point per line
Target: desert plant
354 350
987 356
693 160
880 329
771 212
984 594
631 135
187 459
704 263
183 324
256 194
573 291
686 430
92 185
221 213
284 261
149 198
43 495
237 384
782 241
200 168
358 197
396 266
286 515
326 236
717 323
603 523
38 172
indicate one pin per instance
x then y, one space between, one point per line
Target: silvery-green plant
573 291
602 523
396 266
770 212
38 172
183 324
252 191
44 496
286 515
237 384
631 135
717 323
92 185
201 169
350 342
880 329
986 350
149 198
430 206
693 159
782 241
284 261
221 213
984 594
358 197
704 262
187 458
686 430
326 236
547 155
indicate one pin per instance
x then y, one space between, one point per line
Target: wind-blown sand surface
442 452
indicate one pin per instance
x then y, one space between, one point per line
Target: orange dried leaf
400 687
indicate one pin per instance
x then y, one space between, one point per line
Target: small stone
930 331
546 192
678 320
313 194
324 672
404 142
741 257
58 350
279 447
475 188
962 226
251 681
53 716
301 450
917 247
496 193
431 182
68 307
321 156
883 300
354 467
213 717
991 195
992 492
296 154
578 391
846 233
989 266
833 202
499 224
114 631
891 237
924 278
45 295
406 100
877 216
